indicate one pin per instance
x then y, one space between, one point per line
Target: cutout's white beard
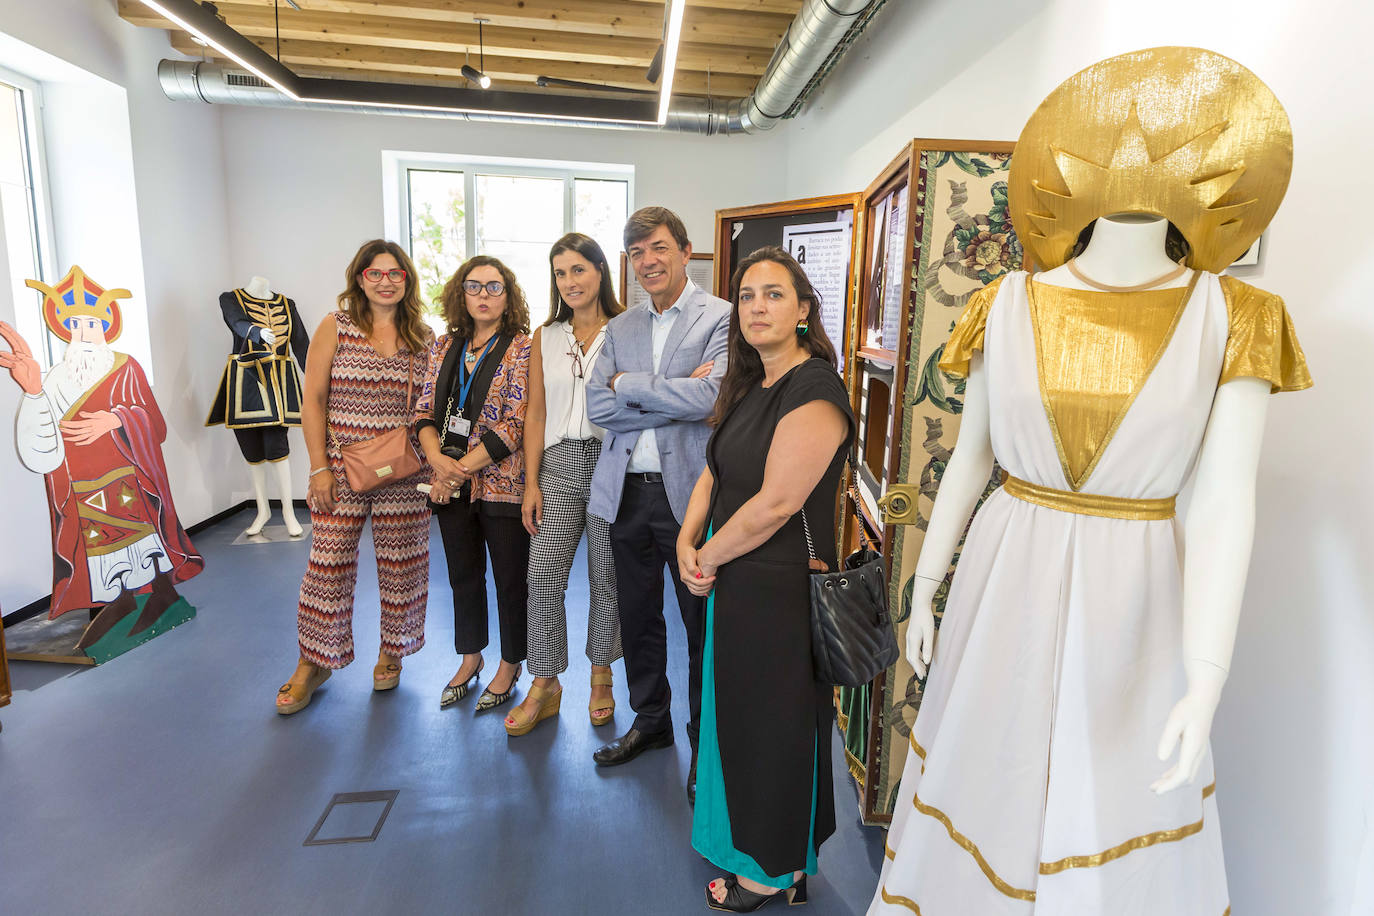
87 363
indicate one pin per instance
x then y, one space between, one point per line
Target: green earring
802 327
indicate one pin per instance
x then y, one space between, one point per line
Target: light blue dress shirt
644 459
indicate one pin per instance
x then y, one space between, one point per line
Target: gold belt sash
1143 510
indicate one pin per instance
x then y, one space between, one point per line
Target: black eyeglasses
494 287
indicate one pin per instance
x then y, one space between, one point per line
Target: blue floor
163 782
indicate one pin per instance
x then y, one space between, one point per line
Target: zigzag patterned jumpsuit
367 396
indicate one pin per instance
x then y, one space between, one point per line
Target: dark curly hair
514 320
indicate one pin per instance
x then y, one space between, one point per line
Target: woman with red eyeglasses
362 375
471 423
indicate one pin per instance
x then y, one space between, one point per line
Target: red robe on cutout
113 494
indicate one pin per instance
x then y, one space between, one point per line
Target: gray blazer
675 406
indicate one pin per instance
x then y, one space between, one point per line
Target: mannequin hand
267 337
1189 725
532 508
920 629
23 367
322 496
90 427
690 570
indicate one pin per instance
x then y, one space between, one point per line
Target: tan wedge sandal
301 693
385 676
549 703
605 707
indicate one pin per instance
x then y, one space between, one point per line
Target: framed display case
818 232
934 229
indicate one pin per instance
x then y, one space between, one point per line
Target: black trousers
263 443
469 534
643 539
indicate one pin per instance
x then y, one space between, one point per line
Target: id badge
459 426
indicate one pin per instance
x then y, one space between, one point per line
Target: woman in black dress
764 801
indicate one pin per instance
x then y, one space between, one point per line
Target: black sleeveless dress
765 804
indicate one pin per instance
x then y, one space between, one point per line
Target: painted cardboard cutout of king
93 430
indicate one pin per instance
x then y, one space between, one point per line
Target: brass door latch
899 504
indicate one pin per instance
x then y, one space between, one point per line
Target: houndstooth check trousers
565 476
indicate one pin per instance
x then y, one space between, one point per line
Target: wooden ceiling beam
625 18
302 55
253 22
777 7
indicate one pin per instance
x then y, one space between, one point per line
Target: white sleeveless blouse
565 393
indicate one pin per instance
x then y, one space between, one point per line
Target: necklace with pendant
470 354
584 344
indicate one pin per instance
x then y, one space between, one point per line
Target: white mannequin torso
1128 250
258 288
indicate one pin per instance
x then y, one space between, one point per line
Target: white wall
305 187
1295 754
177 188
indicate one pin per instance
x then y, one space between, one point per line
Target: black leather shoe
692 781
630 745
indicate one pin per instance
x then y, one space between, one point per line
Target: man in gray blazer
653 387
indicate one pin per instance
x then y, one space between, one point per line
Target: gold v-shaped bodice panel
1095 350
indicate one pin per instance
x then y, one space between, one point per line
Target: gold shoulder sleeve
1261 342
967 336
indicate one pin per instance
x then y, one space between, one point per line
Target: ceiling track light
545 82
479 76
672 37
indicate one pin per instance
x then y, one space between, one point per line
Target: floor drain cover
352 817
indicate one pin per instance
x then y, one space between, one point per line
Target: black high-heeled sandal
739 899
489 700
452 693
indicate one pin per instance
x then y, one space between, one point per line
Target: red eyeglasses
374 275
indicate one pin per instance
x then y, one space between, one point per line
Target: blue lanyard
465 378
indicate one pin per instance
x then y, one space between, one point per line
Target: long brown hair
586 246
514 320
410 322
744 368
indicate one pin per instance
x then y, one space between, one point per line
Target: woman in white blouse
561 448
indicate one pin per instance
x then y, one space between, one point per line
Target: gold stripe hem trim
1131 845
971 848
1090 503
899 900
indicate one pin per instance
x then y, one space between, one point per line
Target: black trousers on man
644 539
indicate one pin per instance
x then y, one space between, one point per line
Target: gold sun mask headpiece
1181 133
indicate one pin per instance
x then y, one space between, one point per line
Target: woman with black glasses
471 422
561 449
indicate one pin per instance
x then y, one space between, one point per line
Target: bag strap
806 528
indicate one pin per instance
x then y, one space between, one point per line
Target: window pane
19 222
438 233
600 209
518 220
12 168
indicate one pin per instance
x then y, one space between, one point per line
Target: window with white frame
25 231
446 209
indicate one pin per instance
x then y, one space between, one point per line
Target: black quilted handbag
851 631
